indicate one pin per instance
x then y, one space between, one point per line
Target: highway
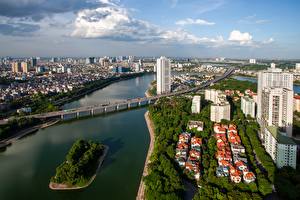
127 104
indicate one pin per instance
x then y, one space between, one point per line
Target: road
129 101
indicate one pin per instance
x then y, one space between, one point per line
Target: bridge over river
118 106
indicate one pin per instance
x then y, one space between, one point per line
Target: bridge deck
60 114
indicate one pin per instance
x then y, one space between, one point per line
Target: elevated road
118 106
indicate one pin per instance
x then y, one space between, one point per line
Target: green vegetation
163 180
170 117
287 181
81 164
16 125
233 84
296 122
152 89
40 103
260 160
254 67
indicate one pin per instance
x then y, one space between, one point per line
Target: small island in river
80 167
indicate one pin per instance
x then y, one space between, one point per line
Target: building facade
196 104
252 61
281 148
275 99
275 78
297 67
216 96
163 73
248 106
277 108
16 67
24 66
33 62
220 111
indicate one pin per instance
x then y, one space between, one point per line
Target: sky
183 28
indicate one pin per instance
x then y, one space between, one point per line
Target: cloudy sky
202 28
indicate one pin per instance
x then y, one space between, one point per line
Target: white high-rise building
248 106
281 148
196 104
252 61
275 78
277 108
130 59
297 67
216 96
220 111
163 75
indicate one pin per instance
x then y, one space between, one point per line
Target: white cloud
114 22
252 19
241 38
269 41
189 21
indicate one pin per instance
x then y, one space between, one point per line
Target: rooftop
279 136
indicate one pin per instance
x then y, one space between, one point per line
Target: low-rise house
184 137
219 128
233 138
249 177
236 157
196 143
235 148
224 163
222 171
235 176
240 165
180 161
195 154
198 125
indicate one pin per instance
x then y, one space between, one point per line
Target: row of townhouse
231 155
47 84
188 153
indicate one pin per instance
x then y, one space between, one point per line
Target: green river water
27 165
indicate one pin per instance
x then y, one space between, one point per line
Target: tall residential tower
271 78
163 73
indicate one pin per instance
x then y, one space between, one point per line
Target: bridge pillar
122 106
68 116
97 111
84 113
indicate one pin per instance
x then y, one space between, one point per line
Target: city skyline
215 28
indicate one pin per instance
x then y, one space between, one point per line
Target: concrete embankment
142 187
22 133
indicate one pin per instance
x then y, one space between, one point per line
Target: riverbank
103 85
58 186
60 99
150 125
22 133
147 94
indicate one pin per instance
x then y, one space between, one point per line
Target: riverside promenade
142 187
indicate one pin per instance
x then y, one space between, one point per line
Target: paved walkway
141 192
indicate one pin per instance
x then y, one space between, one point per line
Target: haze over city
177 28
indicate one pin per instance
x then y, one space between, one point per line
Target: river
28 164
254 80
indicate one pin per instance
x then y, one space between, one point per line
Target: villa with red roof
188 153
230 148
